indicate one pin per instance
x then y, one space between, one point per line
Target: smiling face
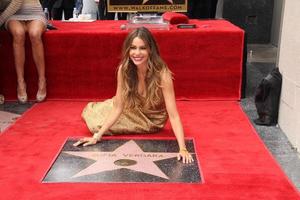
139 52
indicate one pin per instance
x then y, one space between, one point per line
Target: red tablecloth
81 60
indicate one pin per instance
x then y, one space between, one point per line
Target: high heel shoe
42 92
22 98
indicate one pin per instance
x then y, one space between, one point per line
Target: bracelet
96 136
183 150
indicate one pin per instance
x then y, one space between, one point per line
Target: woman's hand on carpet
185 156
86 141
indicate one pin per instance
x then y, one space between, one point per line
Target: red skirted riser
81 60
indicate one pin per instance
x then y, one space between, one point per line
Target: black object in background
253 16
267 97
202 9
186 26
244 67
58 7
105 15
51 27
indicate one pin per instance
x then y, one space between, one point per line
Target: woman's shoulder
119 69
120 72
120 66
166 74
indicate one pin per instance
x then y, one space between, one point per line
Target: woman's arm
115 113
169 97
11 9
117 109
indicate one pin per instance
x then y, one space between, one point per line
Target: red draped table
81 60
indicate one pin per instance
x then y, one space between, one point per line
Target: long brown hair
153 77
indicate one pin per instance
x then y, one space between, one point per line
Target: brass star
128 156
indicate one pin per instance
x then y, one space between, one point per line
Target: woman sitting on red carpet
144 98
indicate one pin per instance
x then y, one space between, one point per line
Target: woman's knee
18 33
36 29
19 37
35 35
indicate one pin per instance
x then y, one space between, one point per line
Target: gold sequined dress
131 121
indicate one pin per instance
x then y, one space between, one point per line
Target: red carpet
234 161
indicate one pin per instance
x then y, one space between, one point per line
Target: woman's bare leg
18 30
35 30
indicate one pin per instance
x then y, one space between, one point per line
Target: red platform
81 60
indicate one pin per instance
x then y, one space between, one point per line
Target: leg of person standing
35 30
18 30
57 13
212 8
108 15
101 9
190 9
49 4
68 6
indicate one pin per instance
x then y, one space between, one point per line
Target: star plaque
123 161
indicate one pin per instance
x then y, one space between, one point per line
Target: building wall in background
289 66
254 16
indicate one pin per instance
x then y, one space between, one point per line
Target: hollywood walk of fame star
145 1
128 156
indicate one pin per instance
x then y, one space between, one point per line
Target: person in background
144 99
103 11
60 8
21 17
79 6
105 15
90 7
